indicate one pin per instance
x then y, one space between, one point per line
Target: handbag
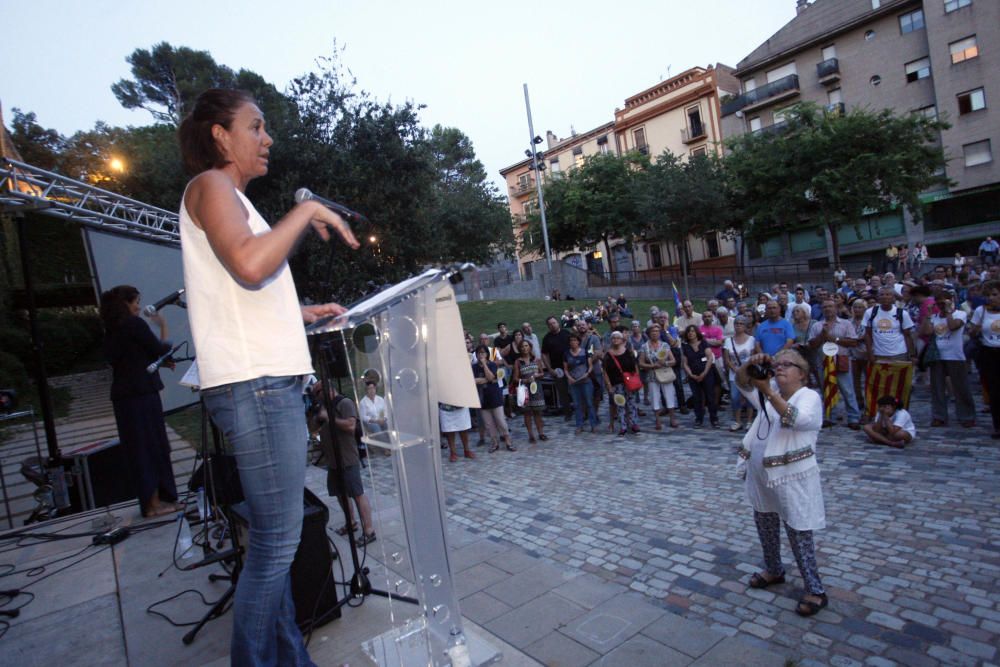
664 375
631 380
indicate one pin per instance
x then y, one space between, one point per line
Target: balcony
775 91
774 128
828 71
835 109
696 133
523 187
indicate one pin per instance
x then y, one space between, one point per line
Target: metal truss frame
24 187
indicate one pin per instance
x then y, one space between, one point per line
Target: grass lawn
187 423
478 316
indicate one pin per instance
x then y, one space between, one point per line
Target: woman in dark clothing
699 364
130 346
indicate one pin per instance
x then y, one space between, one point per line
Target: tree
592 204
37 145
679 199
832 168
167 80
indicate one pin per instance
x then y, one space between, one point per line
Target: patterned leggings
769 530
628 413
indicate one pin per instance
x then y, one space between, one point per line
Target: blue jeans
583 402
264 423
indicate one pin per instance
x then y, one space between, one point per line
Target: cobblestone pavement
911 554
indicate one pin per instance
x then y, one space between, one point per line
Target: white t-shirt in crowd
743 352
949 342
990 322
887 336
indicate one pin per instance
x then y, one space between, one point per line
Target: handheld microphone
162 360
174 297
303 194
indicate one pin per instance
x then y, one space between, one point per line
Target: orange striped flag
831 392
888 378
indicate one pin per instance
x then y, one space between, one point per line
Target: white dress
453 419
798 501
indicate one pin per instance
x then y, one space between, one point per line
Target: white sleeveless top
240 332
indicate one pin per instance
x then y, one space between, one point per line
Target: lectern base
410 645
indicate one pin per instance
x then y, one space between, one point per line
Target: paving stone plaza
655 528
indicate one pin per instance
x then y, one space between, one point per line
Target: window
834 96
694 122
602 144
712 242
781 72
928 112
639 139
780 114
828 52
655 255
554 166
755 124
918 69
952 5
869 35
701 150
530 207
749 84
875 80
977 153
524 180
876 4
970 101
578 159
963 49
911 21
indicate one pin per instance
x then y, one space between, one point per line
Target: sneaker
746 427
621 433
698 423
715 424
735 426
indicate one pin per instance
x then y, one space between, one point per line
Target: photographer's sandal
760 580
808 607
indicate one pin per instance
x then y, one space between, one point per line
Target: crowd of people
671 366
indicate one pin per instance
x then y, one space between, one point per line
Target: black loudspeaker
225 479
313 588
99 475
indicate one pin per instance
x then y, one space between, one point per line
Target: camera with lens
762 371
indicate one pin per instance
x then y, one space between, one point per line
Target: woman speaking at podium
248 332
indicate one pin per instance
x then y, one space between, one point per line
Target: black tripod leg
214 612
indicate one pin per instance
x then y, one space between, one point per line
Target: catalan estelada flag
677 298
831 392
888 378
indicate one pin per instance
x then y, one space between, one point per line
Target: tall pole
538 180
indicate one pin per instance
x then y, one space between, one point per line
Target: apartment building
560 156
681 114
936 57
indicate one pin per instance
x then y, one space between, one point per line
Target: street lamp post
532 140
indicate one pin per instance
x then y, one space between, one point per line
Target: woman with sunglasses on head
778 457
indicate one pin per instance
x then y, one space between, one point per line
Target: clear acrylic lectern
410 331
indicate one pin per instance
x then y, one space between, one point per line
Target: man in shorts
344 437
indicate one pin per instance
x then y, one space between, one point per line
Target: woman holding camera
778 456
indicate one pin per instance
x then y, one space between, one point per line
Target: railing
828 70
708 280
835 108
522 187
694 134
779 87
644 149
773 128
